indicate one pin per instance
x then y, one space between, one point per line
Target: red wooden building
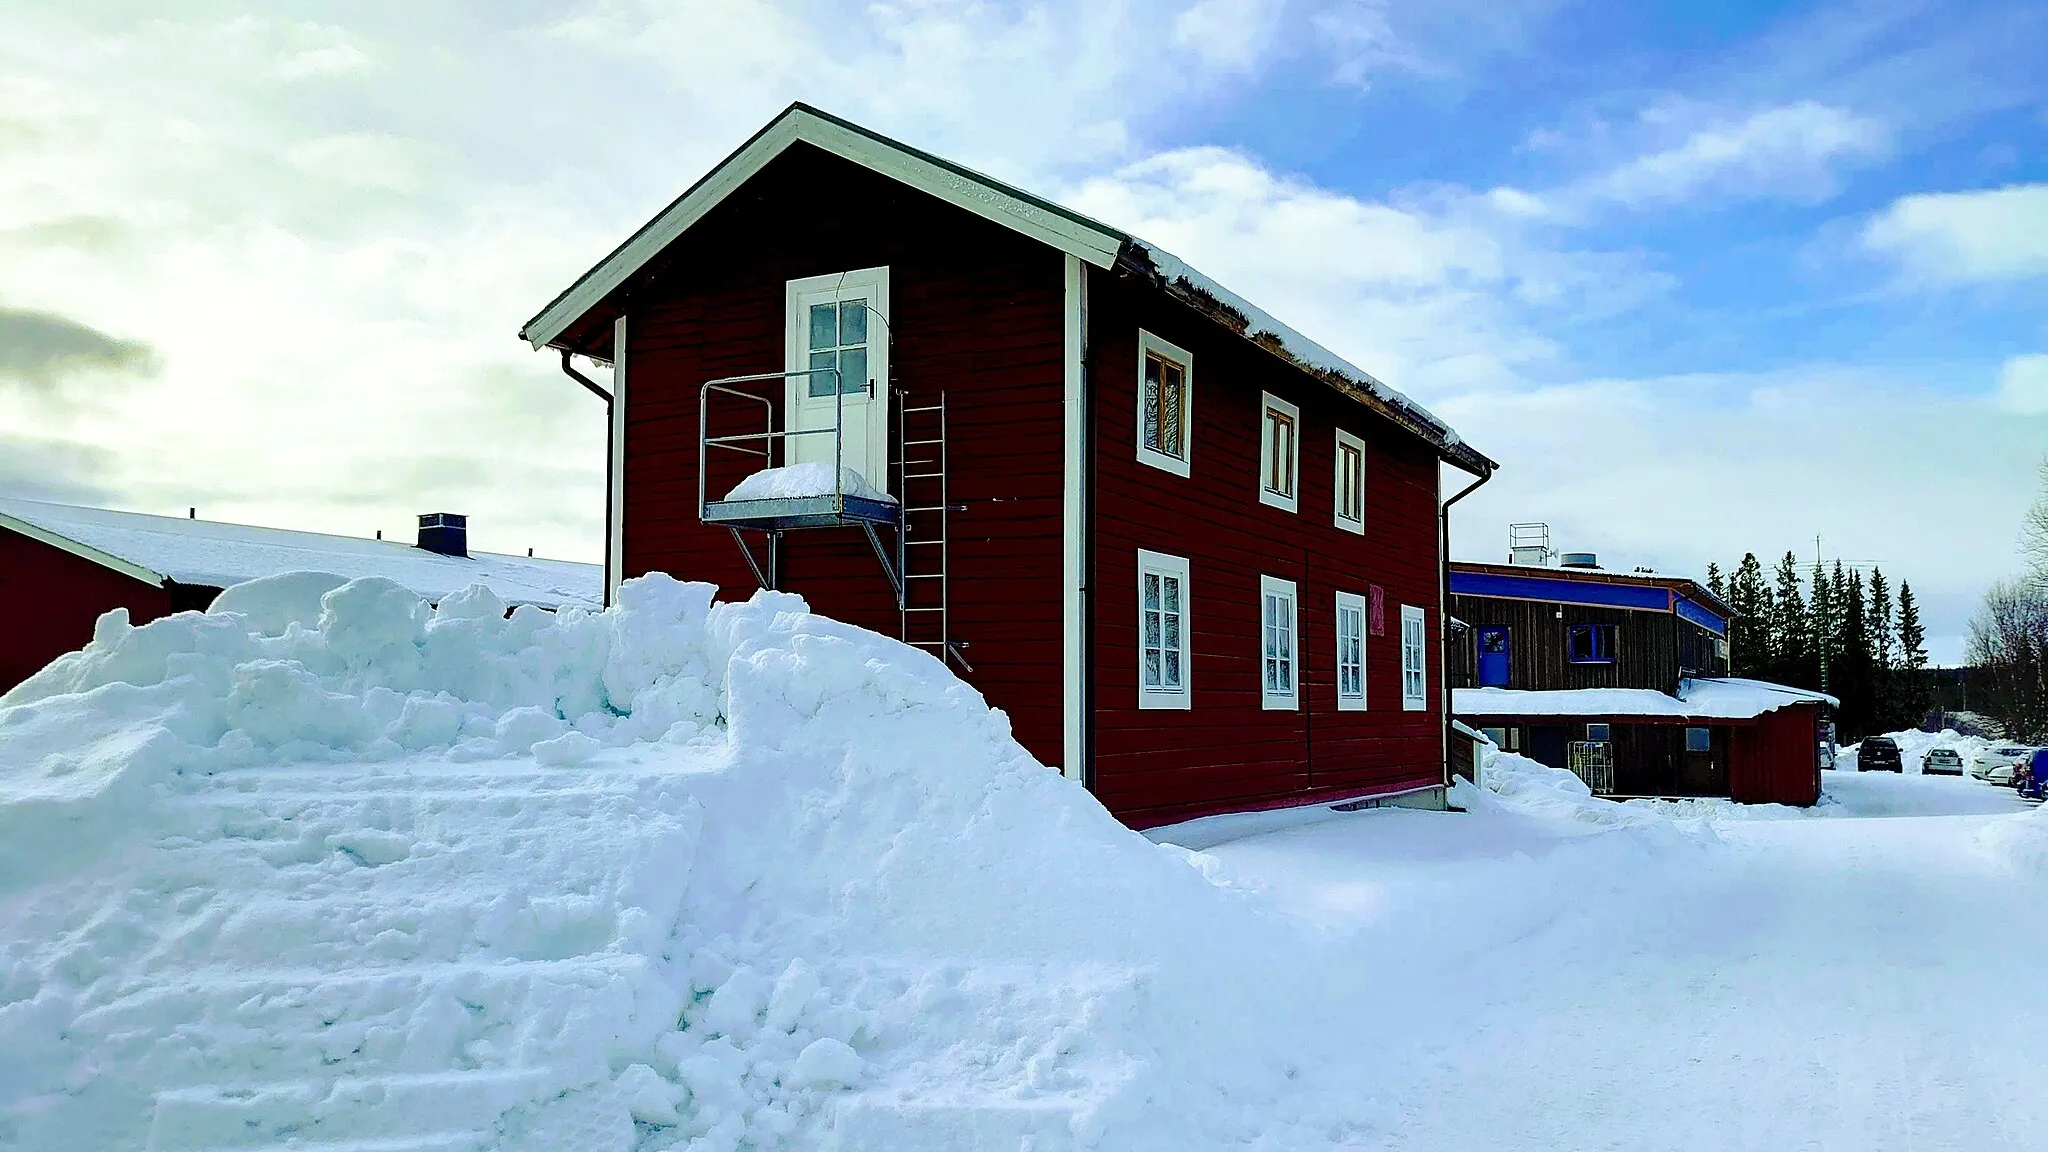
63 565
1195 557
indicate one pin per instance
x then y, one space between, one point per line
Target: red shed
1194 556
70 564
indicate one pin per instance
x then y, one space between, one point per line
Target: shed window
1414 660
1597 733
1279 453
1162 630
1350 652
838 338
1165 403
1592 643
1277 629
1350 478
1699 739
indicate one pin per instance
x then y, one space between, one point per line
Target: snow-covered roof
1700 698
1099 244
208 553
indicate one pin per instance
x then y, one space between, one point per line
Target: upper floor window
1350 652
1162 630
1414 660
1279 453
1277 629
1350 477
1591 643
1166 394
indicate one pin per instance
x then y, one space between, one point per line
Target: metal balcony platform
783 513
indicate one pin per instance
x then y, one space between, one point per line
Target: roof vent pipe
446 533
1578 560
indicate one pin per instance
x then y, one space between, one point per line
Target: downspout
570 370
1443 623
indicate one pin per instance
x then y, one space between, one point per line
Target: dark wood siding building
1194 557
1622 678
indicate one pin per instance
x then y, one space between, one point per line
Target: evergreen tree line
2007 656
1830 630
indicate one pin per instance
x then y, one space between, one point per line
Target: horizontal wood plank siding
1226 752
975 312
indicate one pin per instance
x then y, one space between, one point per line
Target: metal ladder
924 542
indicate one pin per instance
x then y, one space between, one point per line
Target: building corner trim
1074 693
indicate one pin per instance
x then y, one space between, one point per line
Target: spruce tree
1820 629
1883 684
1715 583
1750 631
1916 693
1789 628
1853 672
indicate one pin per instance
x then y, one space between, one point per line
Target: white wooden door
841 321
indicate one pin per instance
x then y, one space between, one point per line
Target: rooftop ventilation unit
1529 544
445 532
1578 560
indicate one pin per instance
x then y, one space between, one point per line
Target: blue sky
1703 277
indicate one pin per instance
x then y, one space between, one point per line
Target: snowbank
794 481
1914 746
2020 843
339 869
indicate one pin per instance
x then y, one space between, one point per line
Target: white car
1996 764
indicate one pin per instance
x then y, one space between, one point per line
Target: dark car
1878 754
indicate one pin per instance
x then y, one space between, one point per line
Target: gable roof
1011 207
208 553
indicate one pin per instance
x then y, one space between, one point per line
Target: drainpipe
570 370
1443 624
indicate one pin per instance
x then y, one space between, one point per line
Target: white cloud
1792 150
1228 35
2023 385
1952 238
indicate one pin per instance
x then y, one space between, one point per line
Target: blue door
1493 657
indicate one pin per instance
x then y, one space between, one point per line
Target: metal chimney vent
445 532
1578 560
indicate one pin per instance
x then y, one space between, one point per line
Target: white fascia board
82 551
1097 245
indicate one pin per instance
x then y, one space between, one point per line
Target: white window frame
1290 500
1353 605
1414 659
1347 440
1175 568
1272 589
1150 345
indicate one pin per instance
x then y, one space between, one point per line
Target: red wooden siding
1226 752
57 597
1777 760
976 311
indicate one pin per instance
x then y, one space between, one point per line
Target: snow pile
1914 746
2019 842
339 870
1516 782
796 481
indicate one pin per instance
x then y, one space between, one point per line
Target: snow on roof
1703 698
217 555
1091 240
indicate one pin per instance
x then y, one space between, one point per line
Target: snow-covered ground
341 873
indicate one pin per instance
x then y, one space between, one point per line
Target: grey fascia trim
82 551
1097 244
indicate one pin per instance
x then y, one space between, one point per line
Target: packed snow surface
216 555
796 481
338 872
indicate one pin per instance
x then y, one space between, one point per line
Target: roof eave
83 551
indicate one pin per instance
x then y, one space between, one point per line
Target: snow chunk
795 481
273 604
828 1062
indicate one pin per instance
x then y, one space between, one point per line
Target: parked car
1941 762
1879 754
1994 765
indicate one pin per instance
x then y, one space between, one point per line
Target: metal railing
768 437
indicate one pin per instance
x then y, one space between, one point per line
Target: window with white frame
1414 660
1350 652
1162 631
1281 688
1279 452
1166 397
1350 476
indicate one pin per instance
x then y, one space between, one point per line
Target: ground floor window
1162 630
1414 660
1597 732
1699 739
1350 652
1277 628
